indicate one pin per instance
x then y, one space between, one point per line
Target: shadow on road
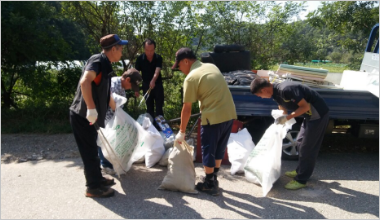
333 194
141 199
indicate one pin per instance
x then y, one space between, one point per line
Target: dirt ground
33 147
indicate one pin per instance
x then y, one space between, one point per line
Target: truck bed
343 104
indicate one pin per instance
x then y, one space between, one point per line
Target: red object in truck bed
236 126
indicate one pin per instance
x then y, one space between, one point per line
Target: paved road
344 186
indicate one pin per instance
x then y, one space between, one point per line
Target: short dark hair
135 77
149 42
257 84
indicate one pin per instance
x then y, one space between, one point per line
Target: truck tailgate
343 104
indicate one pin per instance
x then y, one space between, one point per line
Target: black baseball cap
111 40
135 77
181 54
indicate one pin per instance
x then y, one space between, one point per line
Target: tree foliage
353 19
62 31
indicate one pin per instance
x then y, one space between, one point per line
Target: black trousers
309 141
85 136
156 98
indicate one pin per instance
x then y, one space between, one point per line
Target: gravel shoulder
30 147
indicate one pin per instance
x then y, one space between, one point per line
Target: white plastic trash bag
238 148
263 165
181 171
155 142
155 147
145 120
124 136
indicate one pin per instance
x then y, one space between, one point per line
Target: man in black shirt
305 102
150 65
89 106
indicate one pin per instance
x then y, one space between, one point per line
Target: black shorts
214 142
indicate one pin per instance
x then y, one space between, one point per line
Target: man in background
150 65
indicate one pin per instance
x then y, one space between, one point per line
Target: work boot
216 182
291 174
208 186
106 182
294 185
100 192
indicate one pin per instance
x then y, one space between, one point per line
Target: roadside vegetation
35 98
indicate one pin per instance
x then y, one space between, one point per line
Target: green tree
352 19
299 45
29 34
260 26
172 25
336 56
97 18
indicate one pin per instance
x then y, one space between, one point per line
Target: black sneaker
208 188
101 192
107 182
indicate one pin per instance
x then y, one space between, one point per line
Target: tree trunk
8 102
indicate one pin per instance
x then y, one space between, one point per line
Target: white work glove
92 115
281 120
180 137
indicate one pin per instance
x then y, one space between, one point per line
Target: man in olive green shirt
205 83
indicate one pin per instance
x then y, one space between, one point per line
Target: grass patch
35 120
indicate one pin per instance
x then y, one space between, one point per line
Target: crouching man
301 101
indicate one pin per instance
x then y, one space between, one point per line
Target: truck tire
289 146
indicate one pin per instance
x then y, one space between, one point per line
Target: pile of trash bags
125 141
239 77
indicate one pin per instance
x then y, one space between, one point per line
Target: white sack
155 143
181 171
124 136
263 165
164 161
238 148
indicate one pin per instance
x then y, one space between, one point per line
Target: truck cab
370 61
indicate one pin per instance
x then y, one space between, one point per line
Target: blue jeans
103 161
